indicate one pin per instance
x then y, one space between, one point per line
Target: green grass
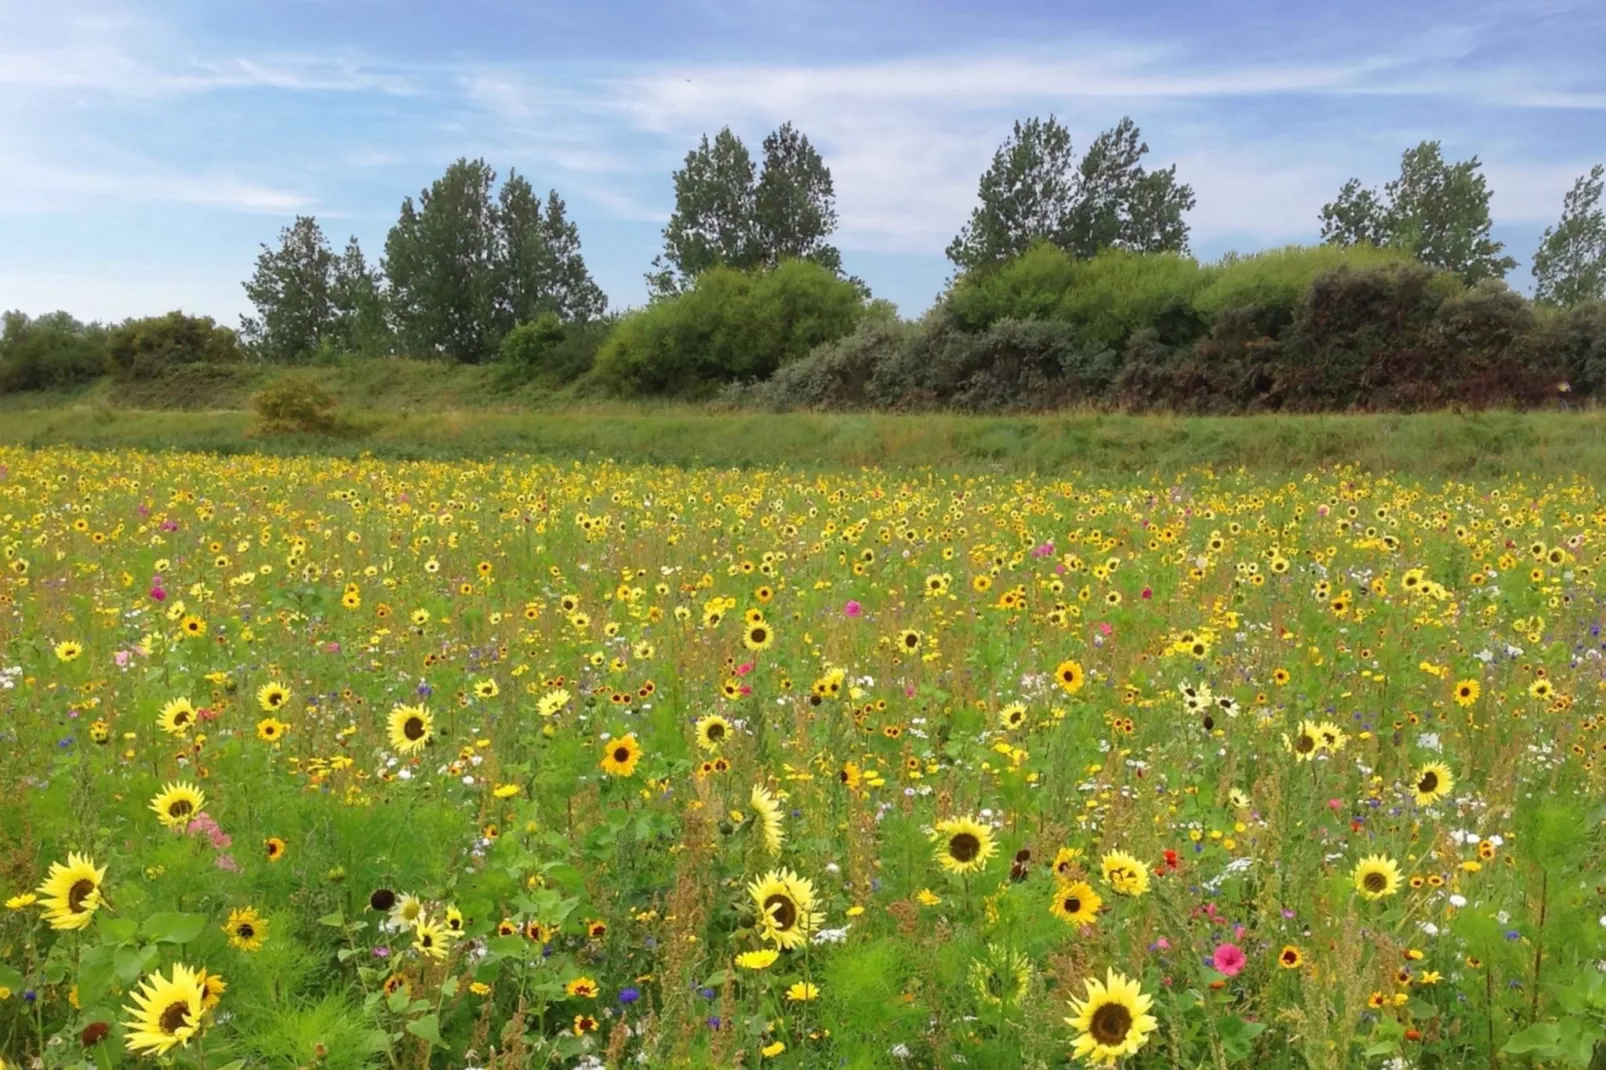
1435 444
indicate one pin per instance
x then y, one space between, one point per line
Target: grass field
347 762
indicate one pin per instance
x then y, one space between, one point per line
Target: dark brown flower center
413 728
1429 782
81 890
1111 1023
174 1018
180 808
759 635
621 755
245 930
1375 881
964 847
716 731
1305 744
782 911
1072 905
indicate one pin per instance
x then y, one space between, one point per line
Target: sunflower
486 689
786 914
1065 861
71 893
963 844
178 803
1433 782
407 911
166 1012
909 641
759 636
411 728
271 729
68 650
275 848
768 810
1070 676
1076 903
1306 744
712 731
272 697
1012 716
1124 874
430 938
1467 691
619 756
1001 976
1290 958
1377 876
212 988
177 717
193 627
1114 1020
247 929
758 960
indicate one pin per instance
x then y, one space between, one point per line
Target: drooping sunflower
1001 976
1433 782
177 717
71 893
767 810
712 731
272 697
166 1012
431 938
247 929
1377 876
178 803
1114 1020
411 728
1070 676
963 844
619 756
1124 874
1076 904
786 914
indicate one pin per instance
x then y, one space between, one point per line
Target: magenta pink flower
744 668
852 609
1228 960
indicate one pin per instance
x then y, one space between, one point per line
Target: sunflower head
1113 1021
1376 876
177 804
963 845
71 893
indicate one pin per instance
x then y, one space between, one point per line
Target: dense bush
49 352
294 404
548 351
144 348
729 326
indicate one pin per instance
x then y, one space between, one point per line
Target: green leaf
334 921
95 968
428 1027
398 1000
449 987
174 928
1541 1038
1238 1037
117 930
1421 1009
131 960
11 977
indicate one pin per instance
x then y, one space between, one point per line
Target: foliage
145 348
49 352
295 405
1035 191
310 301
729 325
1435 211
464 267
728 213
1570 265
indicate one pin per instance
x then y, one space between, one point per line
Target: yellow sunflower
430 938
963 844
272 697
712 731
1467 692
1076 903
178 803
1070 676
785 902
1377 876
71 893
758 960
1307 742
1001 976
67 650
1012 716
1114 1020
758 636
768 811
619 756
177 717
1433 782
271 729
1124 874
166 1012
411 728
247 929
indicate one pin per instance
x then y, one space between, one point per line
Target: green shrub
295 405
144 348
547 350
729 326
49 352
836 374
1575 338
1276 280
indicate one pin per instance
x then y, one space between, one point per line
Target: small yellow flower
758 960
769 1051
506 791
17 902
803 992
928 898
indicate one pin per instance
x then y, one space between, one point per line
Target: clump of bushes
295 405
146 348
49 352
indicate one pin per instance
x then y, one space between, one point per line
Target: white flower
1457 900
832 936
1430 928
1429 741
900 1051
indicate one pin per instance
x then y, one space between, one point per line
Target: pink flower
227 862
746 690
158 594
1105 628
1228 960
1147 594
1335 805
852 609
744 668
331 648
206 713
122 658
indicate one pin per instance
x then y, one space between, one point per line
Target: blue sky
147 148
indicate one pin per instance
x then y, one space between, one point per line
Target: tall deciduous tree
1436 211
1036 190
464 266
728 213
1570 264
291 291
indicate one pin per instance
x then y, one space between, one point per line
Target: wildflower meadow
328 763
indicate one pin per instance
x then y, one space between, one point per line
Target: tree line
748 286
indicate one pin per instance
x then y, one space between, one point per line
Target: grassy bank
1437 444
